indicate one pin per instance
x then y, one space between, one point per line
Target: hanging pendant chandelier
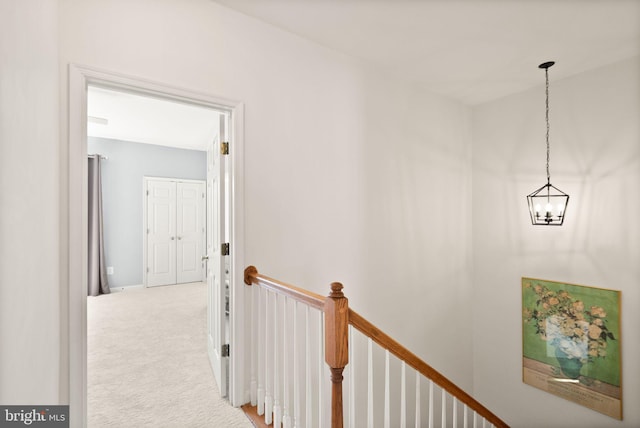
548 204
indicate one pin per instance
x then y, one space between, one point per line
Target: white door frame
79 79
145 220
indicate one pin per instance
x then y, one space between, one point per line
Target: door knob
179 238
173 237
205 258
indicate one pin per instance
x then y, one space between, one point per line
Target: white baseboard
126 288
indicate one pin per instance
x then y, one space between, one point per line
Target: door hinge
225 350
225 249
147 270
147 193
147 231
224 148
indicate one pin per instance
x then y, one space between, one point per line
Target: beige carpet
147 361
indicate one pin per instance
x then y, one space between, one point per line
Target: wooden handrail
251 276
386 342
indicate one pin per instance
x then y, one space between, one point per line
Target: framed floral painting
571 343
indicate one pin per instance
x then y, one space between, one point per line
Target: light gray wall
122 188
595 158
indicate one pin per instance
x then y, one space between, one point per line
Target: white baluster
444 408
262 317
286 418
370 383
296 369
320 367
352 380
253 387
430 403
307 408
465 418
277 409
455 411
403 395
418 418
387 411
268 399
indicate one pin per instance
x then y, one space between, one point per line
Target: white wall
29 184
595 157
350 175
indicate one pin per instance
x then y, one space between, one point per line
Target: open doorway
152 199
80 79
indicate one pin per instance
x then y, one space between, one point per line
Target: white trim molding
80 77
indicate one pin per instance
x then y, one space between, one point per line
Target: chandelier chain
546 73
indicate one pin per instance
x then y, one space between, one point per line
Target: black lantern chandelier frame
548 204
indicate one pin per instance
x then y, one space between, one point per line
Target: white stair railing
400 405
302 342
288 355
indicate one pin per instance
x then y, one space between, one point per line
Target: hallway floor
148 364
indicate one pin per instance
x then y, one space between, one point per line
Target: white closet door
161 236
190 231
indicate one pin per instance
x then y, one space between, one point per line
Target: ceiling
472 51
141 119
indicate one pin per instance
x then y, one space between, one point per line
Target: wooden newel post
336 337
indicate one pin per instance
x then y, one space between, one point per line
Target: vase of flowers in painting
570 367
575 335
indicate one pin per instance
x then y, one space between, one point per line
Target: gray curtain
98 283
